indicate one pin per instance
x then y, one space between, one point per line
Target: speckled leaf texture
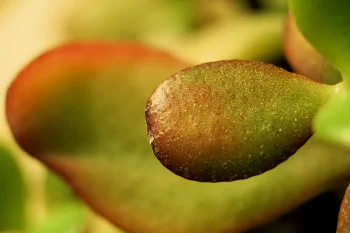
325 23
230 120
344 214
80 110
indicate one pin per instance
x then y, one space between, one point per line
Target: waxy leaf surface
230 120
80 110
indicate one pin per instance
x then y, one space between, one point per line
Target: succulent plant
230 120
283 138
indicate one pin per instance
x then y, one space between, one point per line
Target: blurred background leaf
304 58
106 19
332 122
68 218
322 22
12 193
57 191
198 30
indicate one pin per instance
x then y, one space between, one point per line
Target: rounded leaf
304 59
325 24
230 120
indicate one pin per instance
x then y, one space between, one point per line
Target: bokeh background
35 200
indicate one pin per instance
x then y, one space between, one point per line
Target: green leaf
325 24
65 212
332 122
231 120
68 218
80 110
12 193
304 59
57 191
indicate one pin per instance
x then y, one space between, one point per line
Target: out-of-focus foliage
332 121
66 213
257 37
276 4
67 218
304 58
134 19
332 38
12 193
57 191
198 30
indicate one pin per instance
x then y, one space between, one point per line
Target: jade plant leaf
304 59
325 24
344 214
80 110
12 193
332 121
230 120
